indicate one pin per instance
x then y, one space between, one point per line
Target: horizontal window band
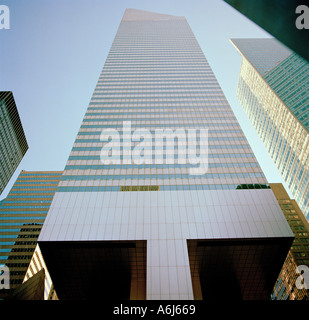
153 148
158 157
26 201
234 146
161 176
192 102
157 119
22 215
39 178
173 91
185 84
38 184
208 95
153 133
168 188
171 126
21 224
52 187
5 207
102 142
213 156
158 108
140 188
158 166
10 196
157 77
159 112
210 132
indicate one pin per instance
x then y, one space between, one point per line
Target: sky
54 51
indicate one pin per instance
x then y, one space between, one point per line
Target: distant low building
22 215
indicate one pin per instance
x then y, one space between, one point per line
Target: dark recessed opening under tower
242 269
97 270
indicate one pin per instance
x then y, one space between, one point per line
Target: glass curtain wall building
287 286
22 215
147 208
13 143
273 89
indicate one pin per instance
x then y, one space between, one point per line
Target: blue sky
53 54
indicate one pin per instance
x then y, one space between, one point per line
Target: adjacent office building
162 196
273 89
287 21
13 143
287 286
36 267
22 215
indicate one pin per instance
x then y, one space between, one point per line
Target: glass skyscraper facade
22 215
161 191
288 286
273 89
13 143
284 20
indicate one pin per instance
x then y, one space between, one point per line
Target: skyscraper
13 143
161 192
285 20
273 89
287 285
22 215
